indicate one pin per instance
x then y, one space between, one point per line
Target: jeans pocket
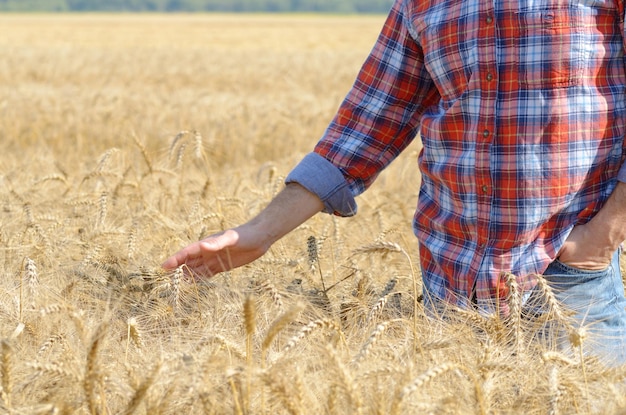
571 270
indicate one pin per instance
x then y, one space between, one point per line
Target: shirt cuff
621 174
321 177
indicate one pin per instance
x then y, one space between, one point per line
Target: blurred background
333 6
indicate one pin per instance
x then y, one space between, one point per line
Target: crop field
125 137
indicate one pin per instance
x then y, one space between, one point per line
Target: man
521 109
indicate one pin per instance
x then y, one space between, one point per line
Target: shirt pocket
449 54
551 48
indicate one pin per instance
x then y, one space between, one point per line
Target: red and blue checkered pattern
521 109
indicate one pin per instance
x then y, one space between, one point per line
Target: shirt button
489 77
485 188
486 133
489 20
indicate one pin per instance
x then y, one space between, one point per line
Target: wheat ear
426 377
7 385
431 374
132 238
92 379
177 276
515 309
308 329
32 280
555 391
142 390
144 152
103 209
377 308
286 396
376 333
345 379
249 315
54 368
133 334
268 287
388 247
279 324
313 253
224 343
48 344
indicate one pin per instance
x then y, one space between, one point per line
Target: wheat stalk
555 308
426 377
279 324
331 401
365 349
31 280
268 287
144 152
104 159
433 373
93 379
54 368
555 391
313 253
142 390
7 384
180 156
391 247
345 380
377 308
52 340
515 309
380 247
249 314
198 146
292 402
28 211
52 177
227 344
103 209
308 329
177 276
132 238
133 334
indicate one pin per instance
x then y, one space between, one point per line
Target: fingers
196 266
184 256
206 255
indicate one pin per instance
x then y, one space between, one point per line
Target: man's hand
591 246
586 250
243 244
220 252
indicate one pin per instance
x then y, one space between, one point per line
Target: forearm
293 206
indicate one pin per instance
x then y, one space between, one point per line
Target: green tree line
326 6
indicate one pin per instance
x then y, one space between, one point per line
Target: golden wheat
123 138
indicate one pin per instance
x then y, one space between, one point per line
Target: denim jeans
597 305
593 301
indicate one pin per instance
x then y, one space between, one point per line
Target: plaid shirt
520 106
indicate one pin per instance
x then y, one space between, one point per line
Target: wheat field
123 138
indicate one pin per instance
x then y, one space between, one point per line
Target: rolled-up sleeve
319 176
621 174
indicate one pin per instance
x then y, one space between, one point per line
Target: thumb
220 241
